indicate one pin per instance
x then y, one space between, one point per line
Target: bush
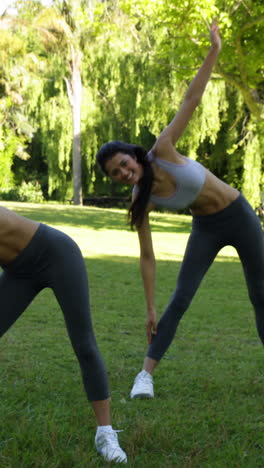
9 194
31 192
27 192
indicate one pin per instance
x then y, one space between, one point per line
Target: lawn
208 406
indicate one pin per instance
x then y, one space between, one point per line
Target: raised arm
148 268
174 130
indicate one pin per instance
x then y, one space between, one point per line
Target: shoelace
144 378
112 436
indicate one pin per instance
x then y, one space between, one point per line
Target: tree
176 33
16 66
124 67
62 42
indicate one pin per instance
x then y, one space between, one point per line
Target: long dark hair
138 206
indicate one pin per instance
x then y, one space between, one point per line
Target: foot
107 445
143 386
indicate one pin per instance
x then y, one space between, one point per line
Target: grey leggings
236 225
53 260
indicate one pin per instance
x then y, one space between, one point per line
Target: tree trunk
74 88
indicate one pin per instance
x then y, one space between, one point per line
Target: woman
221 216
35 256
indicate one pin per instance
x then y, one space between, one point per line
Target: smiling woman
143 173
221 216
124 168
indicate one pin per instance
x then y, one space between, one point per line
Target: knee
178 304
86 351
180 301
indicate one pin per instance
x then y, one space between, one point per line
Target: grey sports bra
189 178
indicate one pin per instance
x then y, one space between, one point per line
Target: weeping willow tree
54 33
55 133
141 83
138 86
253 165
244 72
56 28
134 60
26 114
16 69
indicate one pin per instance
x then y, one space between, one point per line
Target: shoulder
150 206
164 149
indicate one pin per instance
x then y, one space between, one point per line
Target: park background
74 75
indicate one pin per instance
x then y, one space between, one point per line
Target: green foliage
207 122
8 143
56 140
253 165
138 57
31 192
27 192
17 81
146 79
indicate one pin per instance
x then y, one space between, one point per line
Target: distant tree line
81 72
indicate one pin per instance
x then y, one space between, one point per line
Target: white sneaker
107 445
143 386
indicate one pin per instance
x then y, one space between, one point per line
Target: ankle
101 429
145 373
149 365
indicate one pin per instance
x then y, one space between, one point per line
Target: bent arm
174 130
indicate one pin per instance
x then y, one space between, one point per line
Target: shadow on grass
118 305
207 381
96 218
220 318
117 292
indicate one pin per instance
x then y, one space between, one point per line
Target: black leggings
236 225
53 260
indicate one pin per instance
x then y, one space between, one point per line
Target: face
124 169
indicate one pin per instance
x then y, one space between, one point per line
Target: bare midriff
214 196
15 234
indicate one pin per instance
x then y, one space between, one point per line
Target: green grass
208 406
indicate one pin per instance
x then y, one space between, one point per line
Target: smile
129 176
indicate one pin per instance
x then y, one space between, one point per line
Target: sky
3 5
6 3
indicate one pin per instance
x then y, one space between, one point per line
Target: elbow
147 258
197 99
194 99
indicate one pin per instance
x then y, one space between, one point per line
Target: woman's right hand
151 324
215 35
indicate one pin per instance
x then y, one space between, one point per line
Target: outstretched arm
174 130
147 266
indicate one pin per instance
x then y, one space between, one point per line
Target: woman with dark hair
34 256
221 216
140 156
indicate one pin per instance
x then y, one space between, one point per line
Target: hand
151 325
215 35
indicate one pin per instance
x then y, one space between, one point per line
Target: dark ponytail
138 206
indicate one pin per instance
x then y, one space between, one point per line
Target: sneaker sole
142 396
